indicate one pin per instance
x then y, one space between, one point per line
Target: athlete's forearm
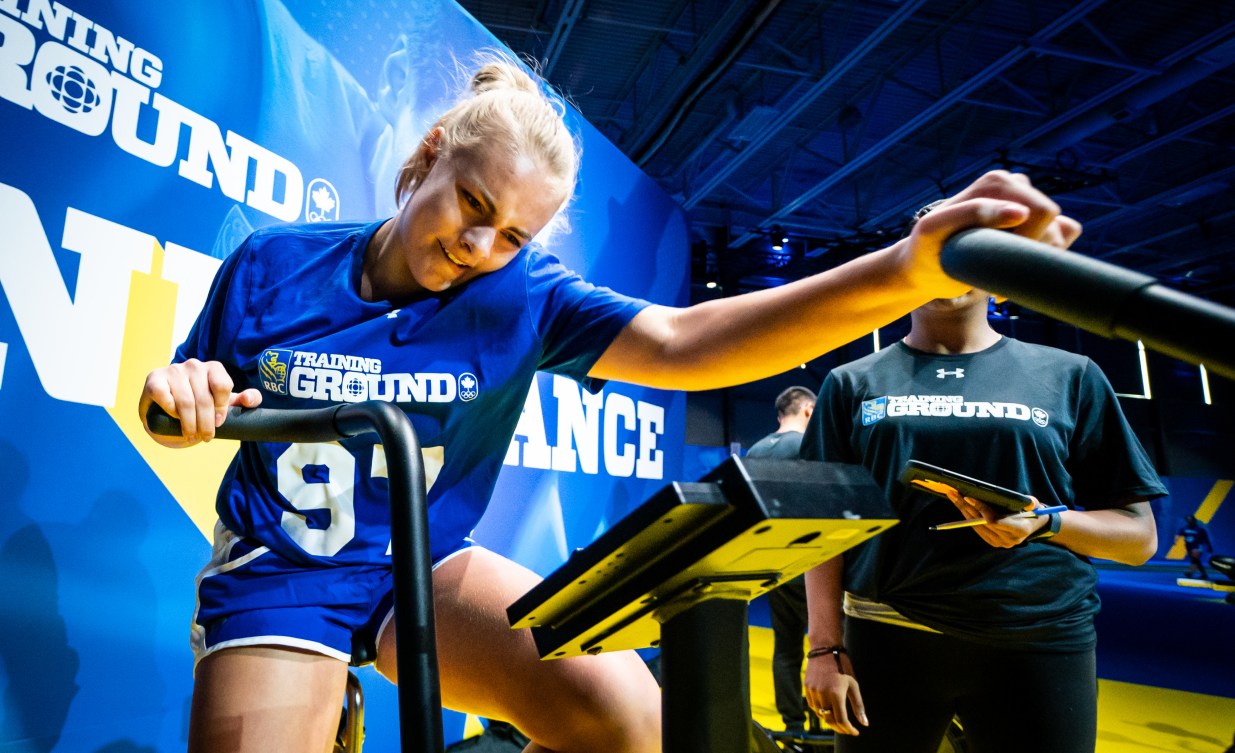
747 337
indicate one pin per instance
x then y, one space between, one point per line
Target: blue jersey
284 316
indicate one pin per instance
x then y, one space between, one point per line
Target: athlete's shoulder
309 233
305 251
546 278
537 260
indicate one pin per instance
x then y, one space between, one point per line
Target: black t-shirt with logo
1027 417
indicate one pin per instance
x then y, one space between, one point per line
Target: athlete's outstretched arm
748 337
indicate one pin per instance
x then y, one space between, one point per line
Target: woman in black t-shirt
992 624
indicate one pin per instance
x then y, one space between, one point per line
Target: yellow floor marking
1131 718
1209 506
1205 513
1143 719
1177 549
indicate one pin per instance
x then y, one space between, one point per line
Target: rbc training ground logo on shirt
273 368
336 377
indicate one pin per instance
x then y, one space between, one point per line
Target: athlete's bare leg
608 702
259 699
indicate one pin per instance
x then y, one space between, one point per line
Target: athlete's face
472 213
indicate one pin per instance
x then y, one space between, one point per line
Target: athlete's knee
629 727
618 711
637 728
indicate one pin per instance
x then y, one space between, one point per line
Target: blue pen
1036 513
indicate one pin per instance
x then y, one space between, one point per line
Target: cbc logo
72 88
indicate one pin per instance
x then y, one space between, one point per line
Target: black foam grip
1094 295
261 424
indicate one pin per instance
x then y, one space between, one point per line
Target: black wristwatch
1053 521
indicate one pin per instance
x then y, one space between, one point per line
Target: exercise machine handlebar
420 702
1094 295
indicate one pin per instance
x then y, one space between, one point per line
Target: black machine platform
678 571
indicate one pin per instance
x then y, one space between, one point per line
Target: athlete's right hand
198 393
998 199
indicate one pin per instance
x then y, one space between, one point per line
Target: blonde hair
504 106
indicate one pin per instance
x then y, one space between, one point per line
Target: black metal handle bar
1095 295
420 699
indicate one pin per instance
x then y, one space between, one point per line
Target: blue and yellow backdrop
141 142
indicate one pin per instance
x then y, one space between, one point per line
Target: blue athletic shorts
248 595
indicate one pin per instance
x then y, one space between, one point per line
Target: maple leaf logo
323 200
467 387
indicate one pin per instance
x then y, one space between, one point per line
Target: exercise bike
717 544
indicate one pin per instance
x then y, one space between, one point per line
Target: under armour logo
393 314
958 373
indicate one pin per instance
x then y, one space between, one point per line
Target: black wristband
835 651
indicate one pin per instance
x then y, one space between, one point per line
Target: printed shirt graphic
1027 417
874 410
283 316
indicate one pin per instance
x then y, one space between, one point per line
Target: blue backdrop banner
142 141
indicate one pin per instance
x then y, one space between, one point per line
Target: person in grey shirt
788 602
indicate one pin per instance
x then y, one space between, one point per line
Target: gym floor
1166 664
